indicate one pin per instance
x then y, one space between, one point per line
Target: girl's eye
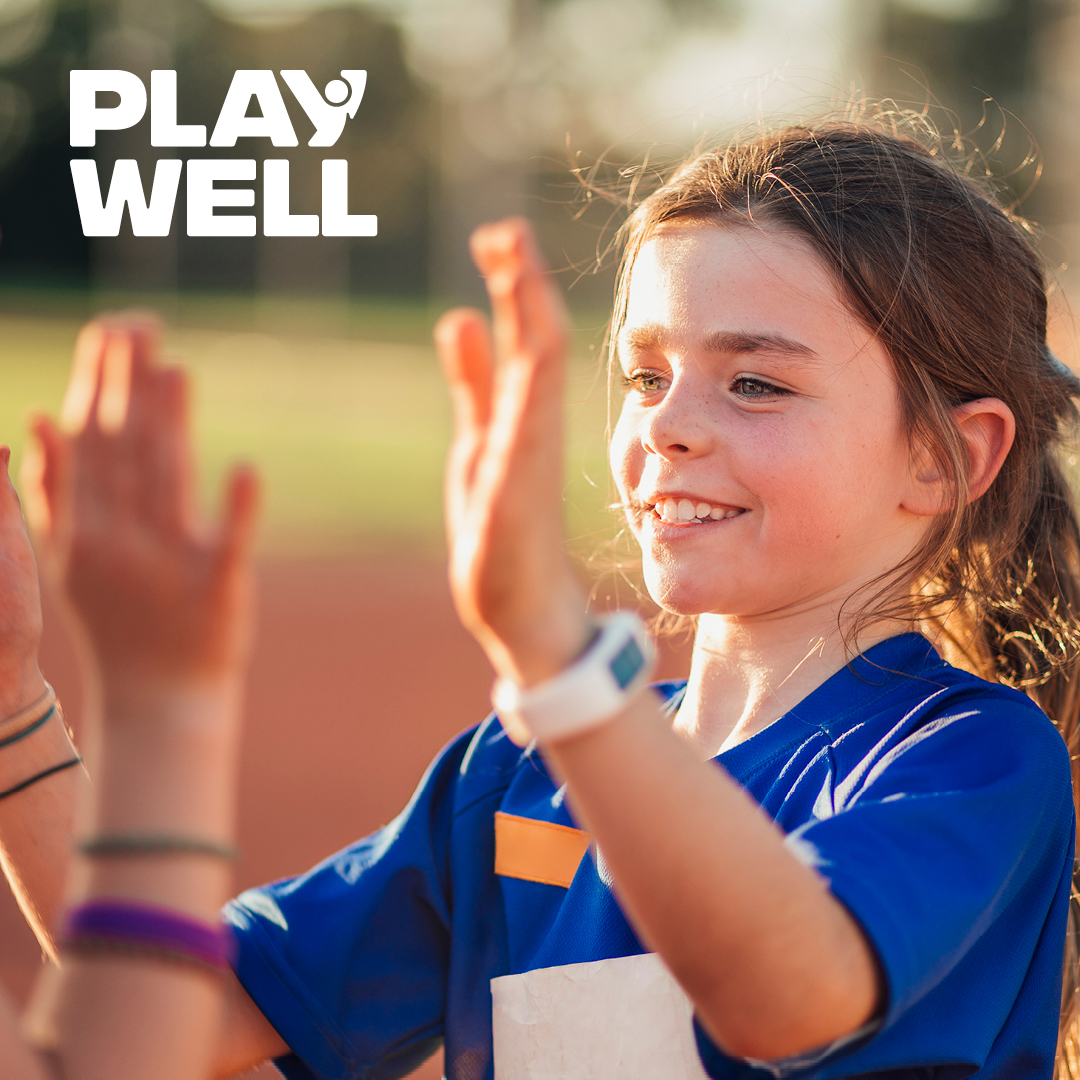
643 381
751 389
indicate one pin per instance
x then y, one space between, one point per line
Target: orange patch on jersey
538 850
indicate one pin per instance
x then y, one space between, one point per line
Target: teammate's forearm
37 824
167 767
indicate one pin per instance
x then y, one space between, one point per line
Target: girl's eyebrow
730 342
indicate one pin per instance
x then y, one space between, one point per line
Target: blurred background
311 356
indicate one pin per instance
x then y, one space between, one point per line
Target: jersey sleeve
952 848
349 961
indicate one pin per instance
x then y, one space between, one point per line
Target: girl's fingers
463 344
529 315
531 337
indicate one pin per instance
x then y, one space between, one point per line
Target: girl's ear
987 428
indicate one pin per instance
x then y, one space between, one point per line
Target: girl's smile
760 451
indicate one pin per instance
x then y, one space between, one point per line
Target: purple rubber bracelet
130 924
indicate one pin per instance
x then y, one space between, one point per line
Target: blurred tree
40 236
978 61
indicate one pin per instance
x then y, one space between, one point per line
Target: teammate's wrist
140 700
20 686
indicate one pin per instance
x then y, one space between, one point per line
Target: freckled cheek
833 487
802 484
626 457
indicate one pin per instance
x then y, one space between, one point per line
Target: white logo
343 96
327 110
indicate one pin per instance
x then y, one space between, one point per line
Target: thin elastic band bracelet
124 845
77 760
132 928
28 720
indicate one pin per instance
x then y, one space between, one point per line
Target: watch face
626 663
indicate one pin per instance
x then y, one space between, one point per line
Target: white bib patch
621 1019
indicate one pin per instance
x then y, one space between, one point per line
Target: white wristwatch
616 665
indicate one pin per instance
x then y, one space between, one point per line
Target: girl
830 852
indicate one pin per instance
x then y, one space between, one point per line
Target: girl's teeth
683 511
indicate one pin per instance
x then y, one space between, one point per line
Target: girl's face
760 452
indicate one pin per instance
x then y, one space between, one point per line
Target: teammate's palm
162 598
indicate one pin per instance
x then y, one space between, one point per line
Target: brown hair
952 286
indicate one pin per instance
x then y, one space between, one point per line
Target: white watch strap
593 689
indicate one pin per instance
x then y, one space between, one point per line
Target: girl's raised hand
163 599
510 575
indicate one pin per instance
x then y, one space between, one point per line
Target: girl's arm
161 606
772 961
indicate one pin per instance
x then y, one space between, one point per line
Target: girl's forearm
773 963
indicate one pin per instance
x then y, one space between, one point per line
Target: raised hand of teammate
164 599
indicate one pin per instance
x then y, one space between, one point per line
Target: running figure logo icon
329 113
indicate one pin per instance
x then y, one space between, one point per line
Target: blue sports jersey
936 805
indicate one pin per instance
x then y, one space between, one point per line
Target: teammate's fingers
43 475
239 518
144 330
116 362
81 396
11 514
167 475
14 540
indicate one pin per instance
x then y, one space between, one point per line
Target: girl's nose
670 450
675 428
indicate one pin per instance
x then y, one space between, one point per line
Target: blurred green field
340 406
